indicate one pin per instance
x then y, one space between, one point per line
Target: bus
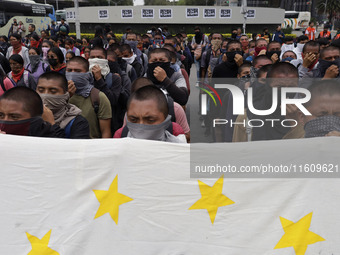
27 11
296 20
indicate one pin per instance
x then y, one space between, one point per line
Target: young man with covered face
94 104
52 88
163 76
148 117
211 57
324 106
328 67
281 75
131 39
231 62
22 113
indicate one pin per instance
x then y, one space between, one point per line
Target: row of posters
168 13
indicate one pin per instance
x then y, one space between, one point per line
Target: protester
94 104
148 117
36 66
5 83
17 48
278 35
22 113
310 31
160 73
52 87
56 60
19 75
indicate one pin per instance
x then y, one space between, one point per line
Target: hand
262 52
238 59
308 59
97 72
71 88
159 74
275 58
331 72
48 115
224 57
333 133
2 132
292 112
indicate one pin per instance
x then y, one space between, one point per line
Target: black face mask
53 62
164 65
146 45
271 53
233 35
324 65
231 55
20 127
114 67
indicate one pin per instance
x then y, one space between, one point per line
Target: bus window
291 15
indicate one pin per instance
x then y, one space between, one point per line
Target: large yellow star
40 246
110 200
297 235
212 198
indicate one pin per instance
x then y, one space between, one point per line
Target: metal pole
76 6
324 13
57 5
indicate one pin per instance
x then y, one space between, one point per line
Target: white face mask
286 47
130 59
300 46
102 63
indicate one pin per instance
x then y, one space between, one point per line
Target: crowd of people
55 85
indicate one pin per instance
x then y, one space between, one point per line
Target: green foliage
156 2
332 8
287 30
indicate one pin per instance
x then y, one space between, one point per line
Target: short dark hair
81 61
17 58
259 40
16 36
233 42
264 69
30 99
261 57
244 65
169 47
151 93
329 48
69 40
302 38
36 50
125 47
273 42
288 39
32 25
72 53
160 50
173 39
282 68
100 49
324 87
323 41
310 44
139 83
59 54
55 76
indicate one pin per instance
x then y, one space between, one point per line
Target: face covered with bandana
146 121
131 39
82 79
56 99
330 58
325 118
14 120
233 50
159 68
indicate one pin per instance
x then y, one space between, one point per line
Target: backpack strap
125 132
207 58
26 79
170 128
2 84
94 95
171 108
67 129
108 80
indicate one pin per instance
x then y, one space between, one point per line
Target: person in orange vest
310 31
325 33
337 36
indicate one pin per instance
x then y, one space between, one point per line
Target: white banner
125 196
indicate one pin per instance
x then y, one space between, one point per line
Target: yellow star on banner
212 198
297 235
110 200
39 246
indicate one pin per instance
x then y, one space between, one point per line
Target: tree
156 2
332 8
